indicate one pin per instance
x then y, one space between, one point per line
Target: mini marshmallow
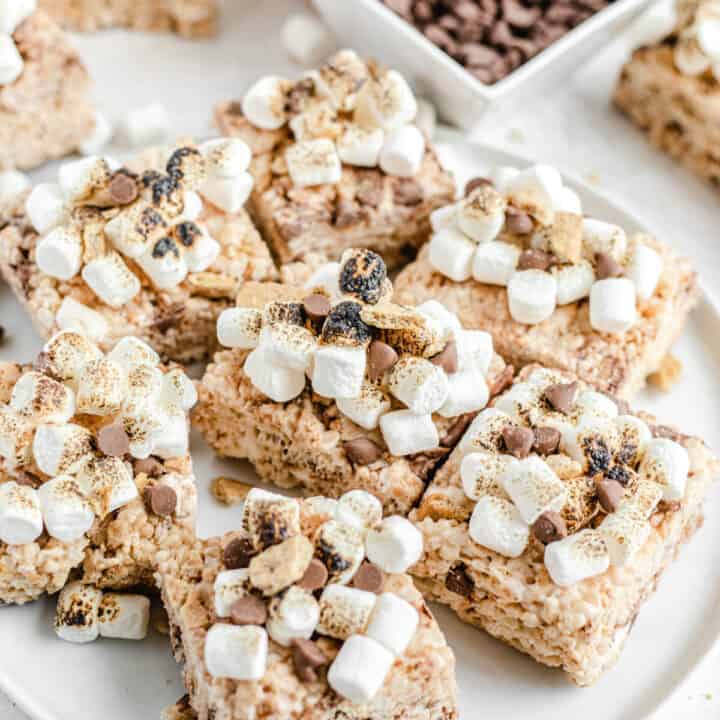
59 253
340 79
577 557
654 25
99 137
426 117
14 12
480 473
21 519
668 464
419 384
239 328
146 125
265 509
109 483
202 253
264 103
402 151
12 183
313 162
288 346
11 62
42 399
367 408
520 399
707 30
342 548
406 433
485 431
236 652
178 391
534 488
16 433
494 263
396 546
633 433
230 586
387 102
444 217
101 388
75 316
339 372
475 350
278 383
497 525
359 669
226 157
192 205
306 39
292 615
65 509
344 611
448 321
542 181
111 280
76 617
80 178
360 509
624 531
124 617
174 438
592 404
602 237
360 146
164 264
131 351
481 215
467 392
317 510
326 278
612 305
60 449
451 254
532 295
688 56
574 282
646 497
393 623
45 207
229 194
644 271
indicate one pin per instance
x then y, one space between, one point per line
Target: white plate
52 680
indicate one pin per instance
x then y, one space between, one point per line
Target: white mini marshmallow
532 295
544 181
574 282
264 103
306 39
14 12
346 544
146 125
21 519
592 404
668 464
226 157
76 617
339 372
603 237
229 194
426 117
12 182
59 253
45 207
495 262
612 305
239 328
644 271
387 102
481 215
164 264
99 137
292 615
124 617
367 408
480 473
111 280
475 350
497 525
708 36
192 205
359 669
534 488
625 531
393 623
467 392
66 511
419 384
230 586
288 346
576 557
444 217
236 652
73 315
344 611
360 146
11 62
60 449
402 151
279 384
131 351
77 178
447 321
313 162
654 25
406 433
40 398
173 440
202 253
395 546
451 254
178 391
360 509
326 277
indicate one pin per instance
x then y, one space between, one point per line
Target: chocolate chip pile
491 38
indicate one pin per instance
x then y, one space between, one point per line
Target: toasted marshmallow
395 546
278 383
497 525
612 305
60 449
226 157
174 438
178 391
532 295
101 388
644 271
314 511
45 207
360 146
339 372
406 433
393 623
518 400
646 497
574 282
288 346
481 472
426 117
239 328
124 617
367 408
448 321
577 557
344 611
236 652
402 151
418 383
542 182
164 264
602 237
192 205
467 392
292 615
16 434
229 194
200 251
59 253
13 12
387 102
360 509
634 433
624 531
11 62
109 483
42 399
668 464
688 56
342 548
146 125
74 316
534 488
592 404
494 263
313 162
264 103
481 215
230 586
65 509
359 669
707 29
326 278
475 350
130 352
21 519
100 136
451 254
76 617
111 280
12 183
444 217
80 178
306 39
264 509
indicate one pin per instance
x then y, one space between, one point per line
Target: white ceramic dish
373 29
113 680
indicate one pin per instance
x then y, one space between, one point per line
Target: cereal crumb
667 374
229 491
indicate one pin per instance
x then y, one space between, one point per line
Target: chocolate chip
369 577
123 189
161 499
547 440
518 440
458 581
248 610
610 493
315 576
535 260
2 334
606 266
475 183
518 223
362 451
381 357
150 466
561 396
113 440
307 658
317 307
237 554
549 527
447 359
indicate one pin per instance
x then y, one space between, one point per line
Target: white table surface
573 127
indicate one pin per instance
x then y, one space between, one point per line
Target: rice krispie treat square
331 386
553 519
95 474
517 258
45 105
189 18
156 250
306 612
337 161
670 86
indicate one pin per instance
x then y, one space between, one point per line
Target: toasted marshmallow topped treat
670 85
307 607
555 515
339 160
347 388
45 106
517 257
155 250
94 465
